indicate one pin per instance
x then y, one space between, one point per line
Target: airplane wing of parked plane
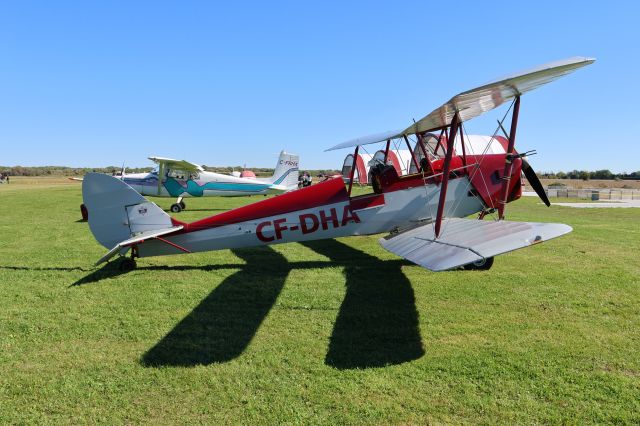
176 164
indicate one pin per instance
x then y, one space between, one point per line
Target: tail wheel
127 264
183 205
483 264
176 208
84 212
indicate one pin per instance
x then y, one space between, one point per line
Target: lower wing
465 241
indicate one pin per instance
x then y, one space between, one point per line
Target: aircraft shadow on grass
223 324
45 268
377 323
112 270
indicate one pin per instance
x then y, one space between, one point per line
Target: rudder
286 172
117 212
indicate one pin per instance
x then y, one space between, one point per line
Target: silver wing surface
477 101
464 241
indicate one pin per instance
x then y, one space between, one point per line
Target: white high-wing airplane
180 178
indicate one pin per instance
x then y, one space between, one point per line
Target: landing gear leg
181 203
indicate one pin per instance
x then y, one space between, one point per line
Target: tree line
81 171
586 175
66 171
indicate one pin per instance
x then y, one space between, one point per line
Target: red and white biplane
424 213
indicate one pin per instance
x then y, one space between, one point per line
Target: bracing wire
477 166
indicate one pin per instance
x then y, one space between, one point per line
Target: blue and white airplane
180 179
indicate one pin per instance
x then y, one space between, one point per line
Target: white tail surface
286 173
117 212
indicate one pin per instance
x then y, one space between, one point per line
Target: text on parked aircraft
307 223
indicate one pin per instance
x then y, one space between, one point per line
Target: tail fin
286 173
117 212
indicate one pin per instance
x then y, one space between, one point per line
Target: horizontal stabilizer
147 235
464 241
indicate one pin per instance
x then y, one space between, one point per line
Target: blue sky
98 83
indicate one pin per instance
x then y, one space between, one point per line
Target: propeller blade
535 183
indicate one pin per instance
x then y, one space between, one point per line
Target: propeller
528 171
534 181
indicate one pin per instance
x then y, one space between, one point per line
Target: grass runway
336 331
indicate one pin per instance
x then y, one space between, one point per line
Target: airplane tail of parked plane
286 173
119 216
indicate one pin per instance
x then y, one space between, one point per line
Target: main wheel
183 205
127 264
176 208
481 265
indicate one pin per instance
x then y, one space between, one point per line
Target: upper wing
176 164
365 140
464 241
475 102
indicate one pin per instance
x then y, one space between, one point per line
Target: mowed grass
325 332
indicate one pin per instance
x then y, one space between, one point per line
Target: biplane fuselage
326 210
423 213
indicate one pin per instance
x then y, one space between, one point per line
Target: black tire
481 265
183 205
127 264
175 208
84 212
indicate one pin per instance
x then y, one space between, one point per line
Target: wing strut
386 151
161 170
422 148
353 169
445 172
415 161
508 162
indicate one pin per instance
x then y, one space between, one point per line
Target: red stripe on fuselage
366 201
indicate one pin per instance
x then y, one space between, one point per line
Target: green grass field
325 332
